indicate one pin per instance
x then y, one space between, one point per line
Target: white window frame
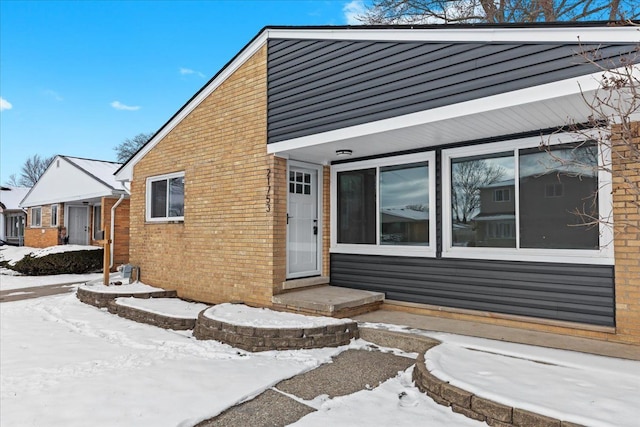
150 180
378 249
94 228
57 209
603 256
39 223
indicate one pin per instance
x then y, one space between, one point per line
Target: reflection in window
176 196
404 204
357 206
482 209
558 195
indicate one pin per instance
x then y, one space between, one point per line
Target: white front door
78 225
303 223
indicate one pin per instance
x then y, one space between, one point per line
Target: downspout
113 227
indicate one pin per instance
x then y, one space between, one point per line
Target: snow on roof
406 213
100 169
10 197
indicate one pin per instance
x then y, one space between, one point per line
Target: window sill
389 250
566 256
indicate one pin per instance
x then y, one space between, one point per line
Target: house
12 218
73 201
298 157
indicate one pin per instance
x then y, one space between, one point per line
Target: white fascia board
78 198
584 84
477 34
126 173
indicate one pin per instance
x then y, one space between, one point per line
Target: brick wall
626 217
326 220
45 235
229 247
121 228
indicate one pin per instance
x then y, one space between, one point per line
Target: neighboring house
277 170
12 217
73 202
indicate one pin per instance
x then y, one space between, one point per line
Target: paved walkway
351 371
36 292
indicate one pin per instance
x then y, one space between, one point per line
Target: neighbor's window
54 215
558 196
97 223
555 192
165 197
36 217
384 203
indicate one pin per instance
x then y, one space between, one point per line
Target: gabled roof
69 179
10 197
537 33
101 170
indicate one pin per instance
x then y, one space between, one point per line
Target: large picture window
525 200
165 197
385 205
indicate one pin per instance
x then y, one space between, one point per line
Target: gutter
113 227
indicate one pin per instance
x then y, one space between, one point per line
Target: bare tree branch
496 11
130 146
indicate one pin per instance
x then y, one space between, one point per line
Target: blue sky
78 77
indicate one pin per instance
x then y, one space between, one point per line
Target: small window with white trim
515 200
385 206
97 223
36 217
165 197
54 215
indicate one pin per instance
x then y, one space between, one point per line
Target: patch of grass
75 262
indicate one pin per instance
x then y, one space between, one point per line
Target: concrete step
306 282
332 301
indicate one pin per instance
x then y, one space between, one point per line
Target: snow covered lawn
65 363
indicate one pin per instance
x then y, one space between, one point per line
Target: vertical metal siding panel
568 292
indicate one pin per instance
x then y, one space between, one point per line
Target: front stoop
297 284
331 301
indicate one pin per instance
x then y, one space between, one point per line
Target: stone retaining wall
155 319
102 299
263 339
475 407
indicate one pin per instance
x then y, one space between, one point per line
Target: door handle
315 230
288 218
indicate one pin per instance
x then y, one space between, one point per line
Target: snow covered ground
10 279
64 363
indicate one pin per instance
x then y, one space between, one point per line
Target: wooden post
107 255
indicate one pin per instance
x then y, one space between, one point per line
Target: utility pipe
113 227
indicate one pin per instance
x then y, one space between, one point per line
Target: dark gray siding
568 292
316 86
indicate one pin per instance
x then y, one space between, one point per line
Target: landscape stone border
140 315
476 407
256 339
102 299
